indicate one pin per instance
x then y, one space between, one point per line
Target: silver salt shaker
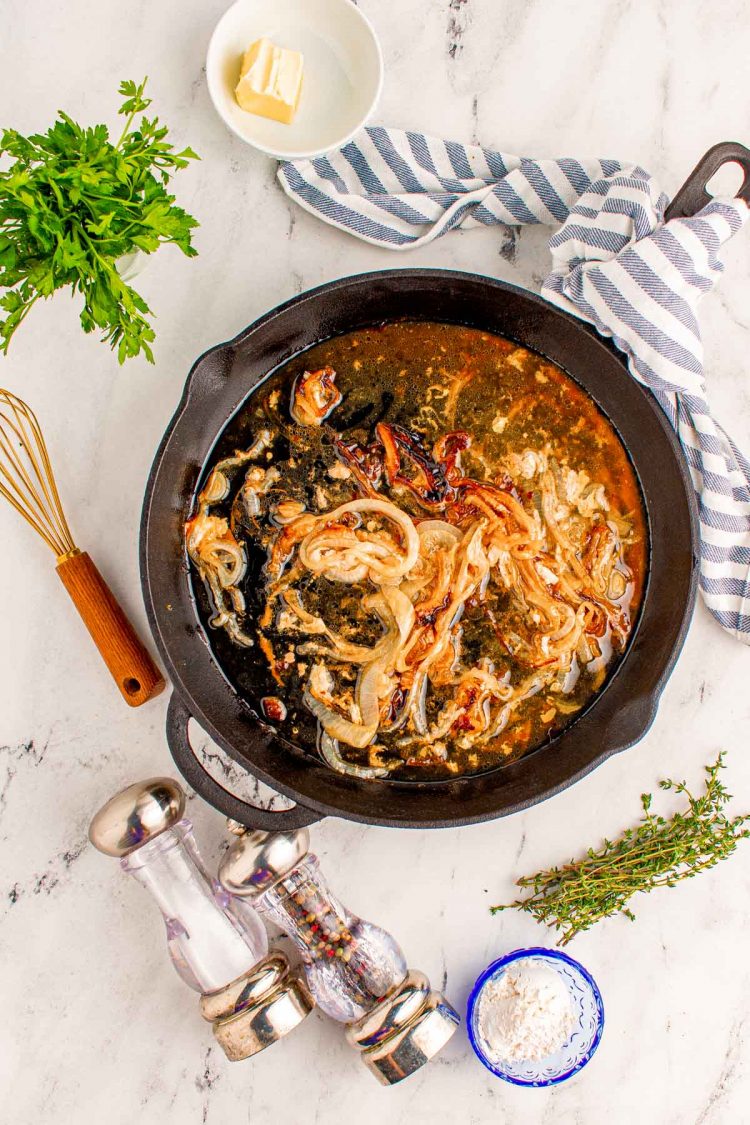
217 944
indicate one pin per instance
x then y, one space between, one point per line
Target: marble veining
96 1025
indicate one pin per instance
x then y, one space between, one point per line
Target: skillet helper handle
131 667
178 740
692 196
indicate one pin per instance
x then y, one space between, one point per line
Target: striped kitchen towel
615 263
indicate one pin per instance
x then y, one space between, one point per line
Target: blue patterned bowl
575 1053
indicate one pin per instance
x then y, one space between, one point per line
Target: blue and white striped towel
615 263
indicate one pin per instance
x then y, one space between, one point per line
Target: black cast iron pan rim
184 702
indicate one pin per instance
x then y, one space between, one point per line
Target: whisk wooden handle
133 670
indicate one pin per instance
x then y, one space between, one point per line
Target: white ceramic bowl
342 78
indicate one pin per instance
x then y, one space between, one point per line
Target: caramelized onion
221 563
335 725
437 534
426 480
543 544
330 753
345 554
314 396
342 648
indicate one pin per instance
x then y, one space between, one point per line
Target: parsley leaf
72 203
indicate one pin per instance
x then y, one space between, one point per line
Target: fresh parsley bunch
72 203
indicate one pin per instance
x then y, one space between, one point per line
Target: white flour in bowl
526 1013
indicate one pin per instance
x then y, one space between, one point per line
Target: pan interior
424 375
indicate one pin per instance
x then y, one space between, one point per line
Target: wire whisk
26 477
27 481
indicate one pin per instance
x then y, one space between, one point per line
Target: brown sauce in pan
533 434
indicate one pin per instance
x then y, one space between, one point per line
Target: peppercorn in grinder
218 944
356 972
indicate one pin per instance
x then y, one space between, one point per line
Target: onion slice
329 751
334 724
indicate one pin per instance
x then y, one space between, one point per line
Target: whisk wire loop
28 483
27 480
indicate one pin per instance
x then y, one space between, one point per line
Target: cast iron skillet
218 384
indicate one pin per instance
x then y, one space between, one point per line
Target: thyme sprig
658 852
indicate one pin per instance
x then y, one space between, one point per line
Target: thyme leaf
72 203
657 852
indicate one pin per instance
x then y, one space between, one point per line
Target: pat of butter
270 81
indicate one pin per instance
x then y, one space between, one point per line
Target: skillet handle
285 820
692 196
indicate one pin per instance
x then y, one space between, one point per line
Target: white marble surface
95 1025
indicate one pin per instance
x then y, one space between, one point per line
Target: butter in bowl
294 78
270 81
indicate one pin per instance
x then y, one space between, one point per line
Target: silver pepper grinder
218 945
356 971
